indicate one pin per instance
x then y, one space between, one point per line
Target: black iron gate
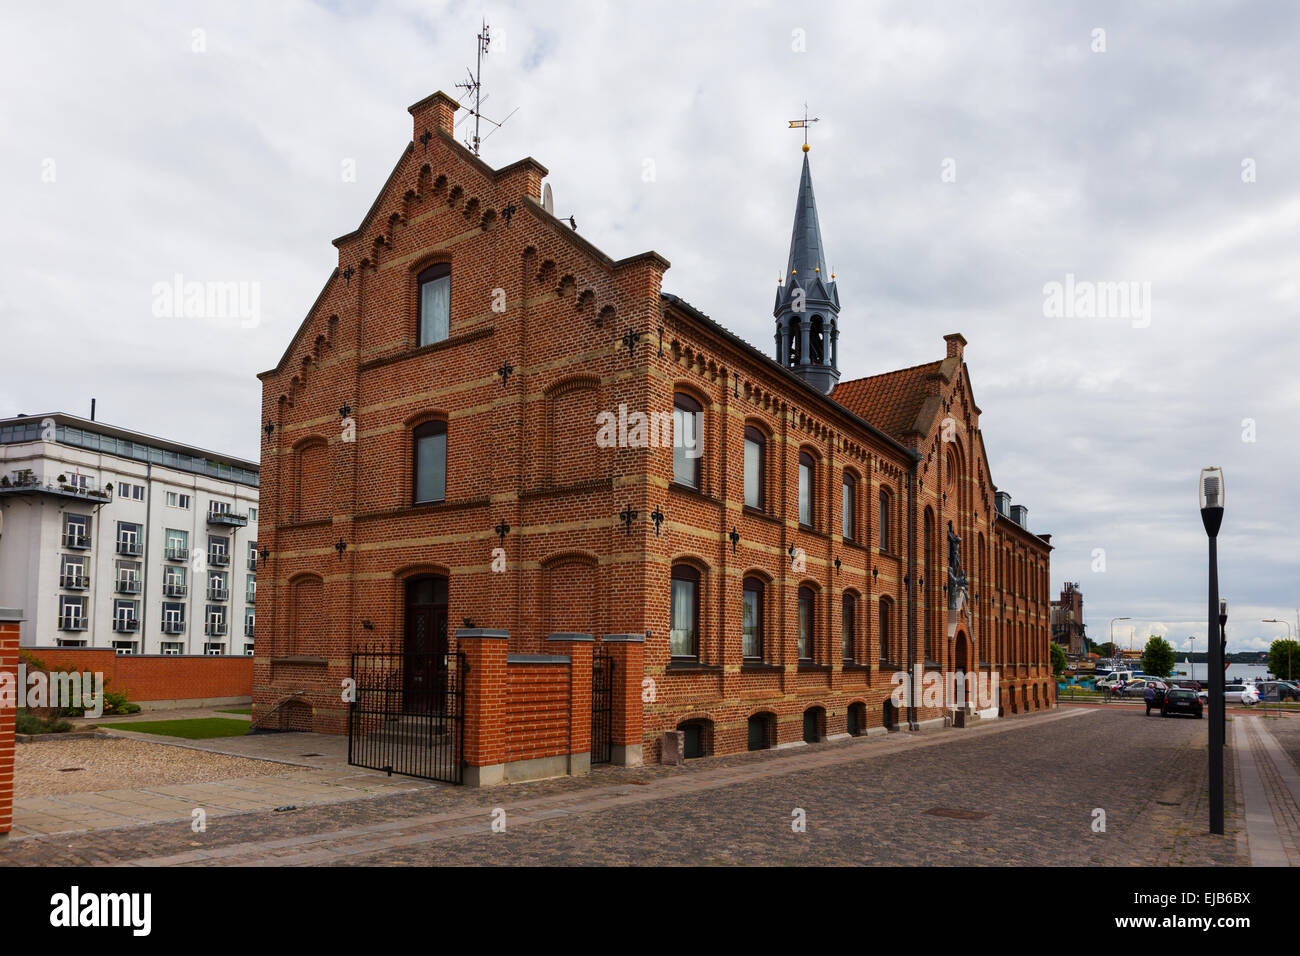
408 714
602 707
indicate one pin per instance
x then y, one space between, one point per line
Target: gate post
9 625
578 647
627 652
484 702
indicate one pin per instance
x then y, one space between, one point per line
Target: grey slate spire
807 302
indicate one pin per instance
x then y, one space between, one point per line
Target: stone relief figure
956 577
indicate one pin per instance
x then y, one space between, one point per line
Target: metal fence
408 714
602 708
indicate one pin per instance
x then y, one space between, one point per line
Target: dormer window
434 309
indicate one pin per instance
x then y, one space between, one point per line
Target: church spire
807 302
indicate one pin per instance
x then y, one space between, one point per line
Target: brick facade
538 346
9 627
146 678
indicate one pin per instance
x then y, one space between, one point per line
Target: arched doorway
962 672
424 680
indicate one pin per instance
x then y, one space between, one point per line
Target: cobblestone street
1010 792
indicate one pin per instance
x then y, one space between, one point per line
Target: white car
1241 694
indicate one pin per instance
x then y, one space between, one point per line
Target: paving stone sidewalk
1037 779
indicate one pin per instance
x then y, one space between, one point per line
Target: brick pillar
484 686
627 652
579 649
9 619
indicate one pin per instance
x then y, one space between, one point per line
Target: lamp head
1211 495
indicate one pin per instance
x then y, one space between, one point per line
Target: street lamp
1273 620
1210 490
1112 632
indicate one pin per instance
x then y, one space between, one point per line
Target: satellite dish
548 201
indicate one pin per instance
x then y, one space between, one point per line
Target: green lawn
237 710
199 728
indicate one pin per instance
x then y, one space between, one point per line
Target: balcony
69 623
74 582
218 594
250 596
177 554
226 518
171 589
173 627
129 585
215 629
248 629
75 539
126 625
219 559
29 484
129 547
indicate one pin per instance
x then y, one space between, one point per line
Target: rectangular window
252 514
683 613
751 622
76 531
430 462
754 445
72 574
847 619
847 506
805 624
177 547
128 538
805 489
435 304
184 502
218 551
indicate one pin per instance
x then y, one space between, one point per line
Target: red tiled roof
890 401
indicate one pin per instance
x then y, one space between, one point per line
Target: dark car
1180 700
1275 690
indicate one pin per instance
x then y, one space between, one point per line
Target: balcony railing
218 594
126 625
227 518
74 539
177 554
175 590
68 623
31 485
250 596
127 546
219 559
173 627
74 582
129 585
215 629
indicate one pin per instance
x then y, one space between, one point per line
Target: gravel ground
42 769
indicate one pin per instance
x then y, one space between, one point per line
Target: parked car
1187 684
1114 679
1239 693
1138 688
1182 700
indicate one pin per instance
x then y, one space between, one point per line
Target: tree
1158 657
1106 649
1284 658
1058 660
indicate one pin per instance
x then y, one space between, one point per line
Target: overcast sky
967 155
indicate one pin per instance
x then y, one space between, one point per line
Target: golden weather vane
804 124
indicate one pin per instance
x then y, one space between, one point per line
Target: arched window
433 308
755 467
807 475
884 520
688 440
751 620
684 611
807 601
848 624
848 511
429 462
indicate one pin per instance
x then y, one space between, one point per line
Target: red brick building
453 437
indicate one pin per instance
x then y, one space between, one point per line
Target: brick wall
8 710
155 677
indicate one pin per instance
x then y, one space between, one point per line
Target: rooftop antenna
473 86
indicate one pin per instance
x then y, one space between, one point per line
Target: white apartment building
112 538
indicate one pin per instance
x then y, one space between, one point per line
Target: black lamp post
1211 497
